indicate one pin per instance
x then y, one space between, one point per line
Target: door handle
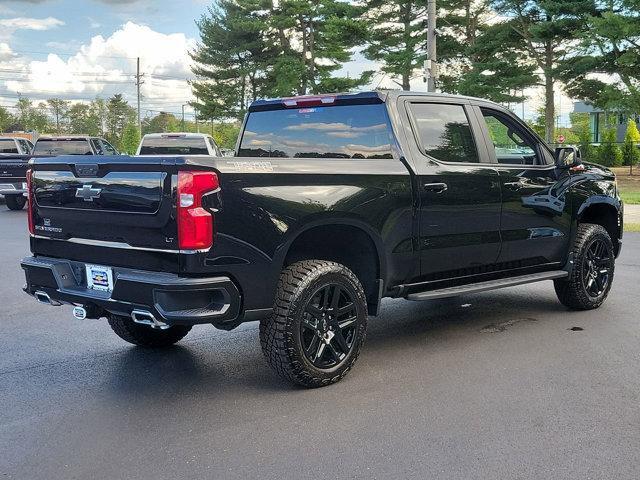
435 187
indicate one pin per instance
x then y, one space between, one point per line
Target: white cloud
24 23
106 66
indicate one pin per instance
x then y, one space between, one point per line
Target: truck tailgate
120 202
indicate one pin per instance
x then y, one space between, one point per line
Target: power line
61 54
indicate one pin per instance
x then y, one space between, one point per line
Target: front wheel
15 202
592 275
144 335
318 324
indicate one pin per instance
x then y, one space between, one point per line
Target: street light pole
431 66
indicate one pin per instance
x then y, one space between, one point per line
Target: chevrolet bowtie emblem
88 193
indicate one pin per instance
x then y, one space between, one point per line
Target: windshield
347 131
174 146
62 147
8 145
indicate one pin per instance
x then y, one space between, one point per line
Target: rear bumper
13 188
171 299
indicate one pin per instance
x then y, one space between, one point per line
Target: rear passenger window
443 132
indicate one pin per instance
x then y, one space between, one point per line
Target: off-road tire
280 335
15 202
572 291
144 335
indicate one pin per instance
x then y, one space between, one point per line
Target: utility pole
183 128
196 111
138 83
430 65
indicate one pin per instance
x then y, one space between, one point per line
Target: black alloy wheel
596 268
318 325
328 326
591 275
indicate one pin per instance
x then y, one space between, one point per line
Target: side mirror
568 157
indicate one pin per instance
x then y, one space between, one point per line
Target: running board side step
486 286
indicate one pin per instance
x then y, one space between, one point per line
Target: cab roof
361 98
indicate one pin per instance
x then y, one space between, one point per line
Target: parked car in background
14 156
178 144
15 146
332 203
73 145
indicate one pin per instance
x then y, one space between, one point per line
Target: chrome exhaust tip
79 313
44 297
143 317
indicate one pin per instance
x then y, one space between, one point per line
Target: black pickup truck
13 166
13 180
331 204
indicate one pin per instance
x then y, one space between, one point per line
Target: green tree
32 117
580 126
262 48
118 115
6 119
397 37
609 152
130 139
314 39
480 57
630 152
232 59
226 134
84 119
59 109
549 30
161 123
610 46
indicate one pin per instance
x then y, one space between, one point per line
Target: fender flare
328 220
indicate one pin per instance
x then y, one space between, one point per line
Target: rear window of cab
345 131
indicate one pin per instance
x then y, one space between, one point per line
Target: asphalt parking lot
495 385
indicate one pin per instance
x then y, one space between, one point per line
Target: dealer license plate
99 278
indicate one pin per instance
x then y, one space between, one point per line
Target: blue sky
85 19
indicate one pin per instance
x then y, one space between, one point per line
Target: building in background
599 120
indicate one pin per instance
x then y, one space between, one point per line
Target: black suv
332 203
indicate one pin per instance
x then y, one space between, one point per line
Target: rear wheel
592 275
15 202
318 324
144 335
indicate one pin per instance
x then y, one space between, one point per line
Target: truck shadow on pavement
213 365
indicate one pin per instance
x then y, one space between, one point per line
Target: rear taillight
195 224
30 203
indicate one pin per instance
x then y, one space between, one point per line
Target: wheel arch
604 211
347 241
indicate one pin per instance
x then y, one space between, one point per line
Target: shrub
630 152
610 154
130 139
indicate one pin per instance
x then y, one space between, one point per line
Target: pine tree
313 39
119 114
59 109
548 28
610 46
232 59
397 37
492 63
